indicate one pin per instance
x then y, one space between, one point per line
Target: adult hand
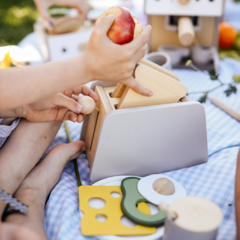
108 61
60 106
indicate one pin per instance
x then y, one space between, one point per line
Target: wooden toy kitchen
185 29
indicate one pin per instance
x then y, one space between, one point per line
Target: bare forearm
30 84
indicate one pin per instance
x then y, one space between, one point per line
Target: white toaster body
147 140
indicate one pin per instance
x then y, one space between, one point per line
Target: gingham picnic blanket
213 180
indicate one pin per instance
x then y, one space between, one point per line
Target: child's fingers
89 92
132 83
75 97
85 91
70 116
64 101
80 118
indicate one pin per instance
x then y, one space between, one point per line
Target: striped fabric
13 202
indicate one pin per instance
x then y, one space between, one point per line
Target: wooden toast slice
165 88
118 92
159 68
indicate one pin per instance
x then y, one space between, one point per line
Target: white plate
116 181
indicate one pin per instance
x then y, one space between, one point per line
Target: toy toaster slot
113 101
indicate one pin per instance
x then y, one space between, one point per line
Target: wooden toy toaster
136 135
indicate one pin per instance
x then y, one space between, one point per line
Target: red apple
124 28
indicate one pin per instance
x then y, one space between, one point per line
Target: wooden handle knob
186 34
87 103
183 2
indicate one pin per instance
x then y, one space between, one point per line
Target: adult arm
103 60
22 86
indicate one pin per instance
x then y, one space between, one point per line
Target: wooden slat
118 91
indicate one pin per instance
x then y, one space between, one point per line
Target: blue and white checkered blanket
213 180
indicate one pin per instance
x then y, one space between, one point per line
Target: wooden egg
164 186
87 103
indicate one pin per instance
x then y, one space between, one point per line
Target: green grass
16 20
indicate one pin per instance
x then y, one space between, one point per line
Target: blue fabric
213 180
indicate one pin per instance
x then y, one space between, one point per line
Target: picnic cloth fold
213 180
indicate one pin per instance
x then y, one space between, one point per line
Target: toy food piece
124 28
163 186
159 188
87 103
131 198
122 90
92 222
161 82
138 28
196 214
227 35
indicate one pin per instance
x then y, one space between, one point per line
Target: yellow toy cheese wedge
92 222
